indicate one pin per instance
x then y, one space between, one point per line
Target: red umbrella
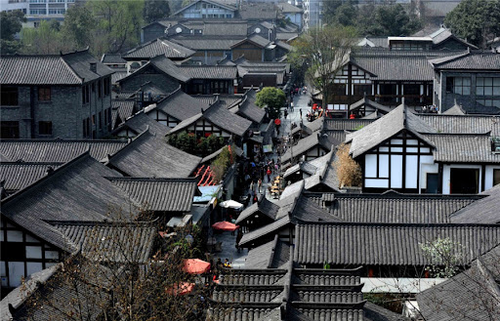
225 226
277 122
195 266
181 289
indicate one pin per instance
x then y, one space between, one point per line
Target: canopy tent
225 226
231 204
180 288
195 266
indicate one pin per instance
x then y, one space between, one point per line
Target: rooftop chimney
93 67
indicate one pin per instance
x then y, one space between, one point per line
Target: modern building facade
38 10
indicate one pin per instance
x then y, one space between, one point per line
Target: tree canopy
155 10
475 20
10 25
273 98
325 50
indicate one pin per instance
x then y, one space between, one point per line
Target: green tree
46 39
325 50
155 10
475 20
273 99
388 20
10 25
346 14
79 26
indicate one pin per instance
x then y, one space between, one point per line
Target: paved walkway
229 250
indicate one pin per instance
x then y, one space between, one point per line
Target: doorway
464 181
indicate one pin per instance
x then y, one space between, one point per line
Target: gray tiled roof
165 65
305 144
368 103
20 175
140 122
158 47
256 39
373 244
265 233
391 208
160 194
67 69
249 110
75 191
258 11
258 277
485 210
216 3
288 8
285 36
209 72
465 148
476 60
150 156
111 241
122 108
466 124
109 58
386 127
274 254
57 151
470 295
264 207
207 42
181 106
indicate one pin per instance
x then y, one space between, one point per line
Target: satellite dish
178 29
257 30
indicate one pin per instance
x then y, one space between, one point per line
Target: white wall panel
396 171
371 165
377 183
411 171
383 166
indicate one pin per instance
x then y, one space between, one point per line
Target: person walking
268 172
300 111
291 106
259 183
251 187
286 113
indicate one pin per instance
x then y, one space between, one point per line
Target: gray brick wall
64 110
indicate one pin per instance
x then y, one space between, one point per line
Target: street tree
46 39
390 20
272 98
10 25
475 20
155 10
325 51
79 26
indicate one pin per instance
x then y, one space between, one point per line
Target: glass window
9 96
461 85
45 127
488 86
9 129
44 94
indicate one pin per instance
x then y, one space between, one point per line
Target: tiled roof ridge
488 133
152 179
141 136
150 223
445 60
57 172
382 224
62 140
21 162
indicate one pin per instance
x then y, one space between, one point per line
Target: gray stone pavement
228 240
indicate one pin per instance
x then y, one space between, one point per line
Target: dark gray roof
160 194
180 105
465 148
346 124
122 109
118 242
163 64
258 11
386 127
110 58
274 254
288 8
57 151
209 72
470 295
265 233
66 69
466 124
151 156
76 191
208 42
466 104
375 312
391 207
285 36
249 110
158 47
19 175
484 210
305 144
374 244
475 60
140 122
264 207
255 39
215 3
218 115
370 104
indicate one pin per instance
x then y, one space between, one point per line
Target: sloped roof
20 175
472 294
215 3
122 109
285 7
484 210
369 103
255 39
474 60
65 69
180 105
384 128
139 122
163 64
463 148
305 144
264 206
373 244
159 47
346 124
391 207
208 42
76 191
249 110
109 58
151 156
462 124
209 72
160 194
274 254
57 150
257 11
265 233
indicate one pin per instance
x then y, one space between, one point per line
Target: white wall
488 180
